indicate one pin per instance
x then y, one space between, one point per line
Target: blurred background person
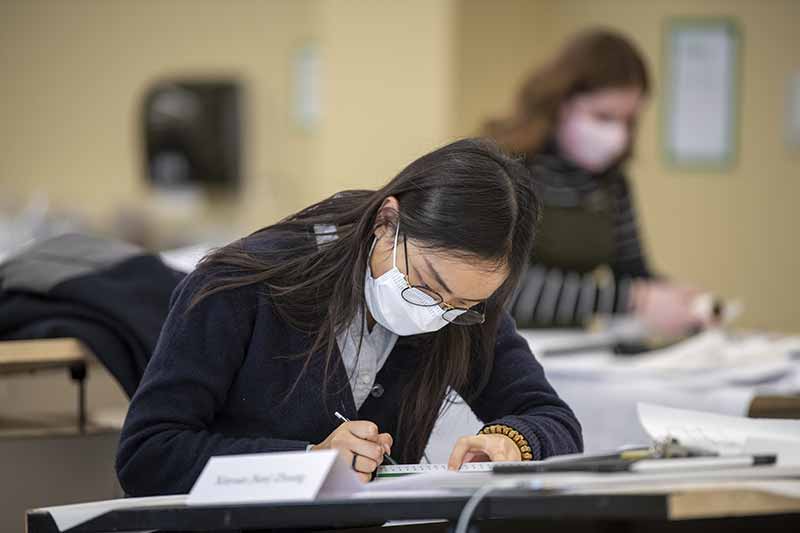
575 121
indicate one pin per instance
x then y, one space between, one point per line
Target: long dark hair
466 198
592 60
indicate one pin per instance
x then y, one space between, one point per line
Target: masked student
575 122
369 303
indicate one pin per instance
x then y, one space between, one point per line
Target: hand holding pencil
362 443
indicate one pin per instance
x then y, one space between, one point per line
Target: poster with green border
703 96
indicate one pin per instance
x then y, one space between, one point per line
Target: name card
274 477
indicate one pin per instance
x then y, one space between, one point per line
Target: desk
681 510
41 354
26 356
775 406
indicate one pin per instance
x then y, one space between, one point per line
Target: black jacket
112 296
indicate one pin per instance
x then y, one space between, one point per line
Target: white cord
466 513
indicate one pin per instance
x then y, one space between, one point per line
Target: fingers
367 449
476 457
462 446
386 441
364 465
361 439
495 447
359 464
367 433
363 429
346 440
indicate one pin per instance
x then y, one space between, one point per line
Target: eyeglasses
426 297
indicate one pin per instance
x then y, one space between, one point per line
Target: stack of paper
712 358
723 434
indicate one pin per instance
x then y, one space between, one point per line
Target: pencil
386 456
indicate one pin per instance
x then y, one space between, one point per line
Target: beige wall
732 232
388 83
398 79
74 74
498 43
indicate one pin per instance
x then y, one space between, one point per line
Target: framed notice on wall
701 92
306 92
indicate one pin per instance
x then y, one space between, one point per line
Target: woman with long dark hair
575 122
370 303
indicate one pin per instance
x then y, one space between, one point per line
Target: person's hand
359 439
483 448
667 309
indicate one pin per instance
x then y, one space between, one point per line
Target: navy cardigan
218 380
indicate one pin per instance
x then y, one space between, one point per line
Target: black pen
386 456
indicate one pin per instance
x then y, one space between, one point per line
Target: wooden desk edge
774 406
717 503
34 353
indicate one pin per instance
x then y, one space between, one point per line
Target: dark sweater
218 380
561 183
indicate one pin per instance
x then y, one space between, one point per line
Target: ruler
404 470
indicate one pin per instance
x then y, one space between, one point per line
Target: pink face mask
591 143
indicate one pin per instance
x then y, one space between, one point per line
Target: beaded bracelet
521 442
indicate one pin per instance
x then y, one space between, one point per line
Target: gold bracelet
518 438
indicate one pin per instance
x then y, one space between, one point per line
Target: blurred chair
53 459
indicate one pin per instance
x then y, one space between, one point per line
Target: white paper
710 359
383 493
437 480
69 516
720 433
273 477
574 340
702 69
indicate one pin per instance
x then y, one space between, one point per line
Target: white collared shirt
376 345
363 366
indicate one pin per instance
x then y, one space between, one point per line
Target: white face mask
590 143
387 306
